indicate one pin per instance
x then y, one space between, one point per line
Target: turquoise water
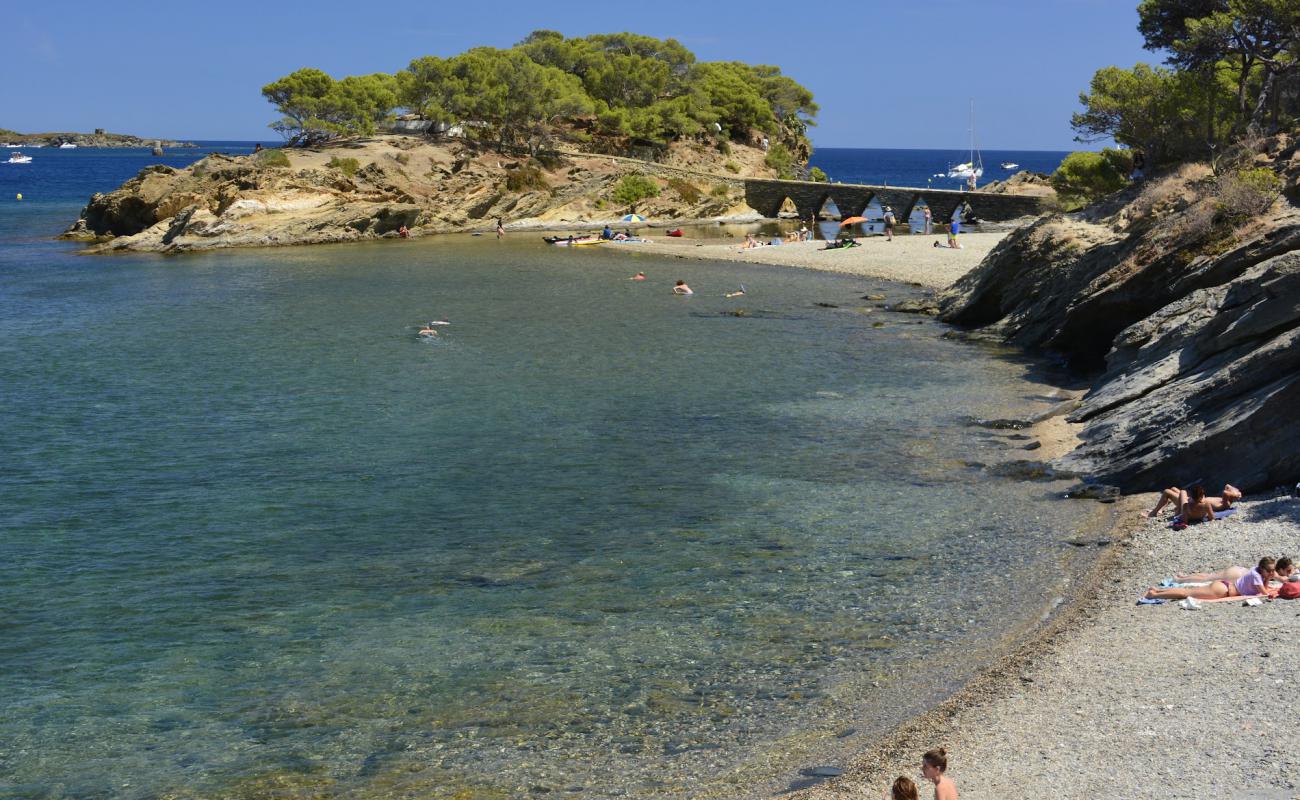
594 540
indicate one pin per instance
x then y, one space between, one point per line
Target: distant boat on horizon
67 146
1009 165
18 158
971 170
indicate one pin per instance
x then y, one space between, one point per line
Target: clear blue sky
885 74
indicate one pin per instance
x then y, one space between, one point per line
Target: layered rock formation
1185 309
371 188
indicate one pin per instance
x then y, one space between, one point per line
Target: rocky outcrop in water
364 189
1185 309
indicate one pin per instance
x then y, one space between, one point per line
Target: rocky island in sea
99 138
554 131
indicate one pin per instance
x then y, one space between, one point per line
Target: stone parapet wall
767 196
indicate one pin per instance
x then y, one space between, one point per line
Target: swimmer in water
429 330
640 276
682 288
738 293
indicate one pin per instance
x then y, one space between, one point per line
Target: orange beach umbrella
852 220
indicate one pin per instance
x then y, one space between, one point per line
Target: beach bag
1289 591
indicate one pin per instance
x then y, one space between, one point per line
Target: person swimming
682 288
430 329
640 276
738 293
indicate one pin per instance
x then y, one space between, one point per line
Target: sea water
593 539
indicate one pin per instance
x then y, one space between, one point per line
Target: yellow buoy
20 195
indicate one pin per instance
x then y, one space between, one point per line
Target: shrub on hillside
1247 192
348 166
732 166
685 190
780 159
816 174
526 178
635 188
272 158
1087 176
720 191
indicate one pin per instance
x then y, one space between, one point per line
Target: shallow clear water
594 539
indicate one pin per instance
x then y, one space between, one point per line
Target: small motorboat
66 146
1009 165
18 158
572 241
675 232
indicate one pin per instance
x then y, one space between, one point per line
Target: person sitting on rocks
1231 494
1254 582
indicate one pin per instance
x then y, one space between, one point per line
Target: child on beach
903 789
934 766
1252 583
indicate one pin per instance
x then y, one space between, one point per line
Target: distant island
97 139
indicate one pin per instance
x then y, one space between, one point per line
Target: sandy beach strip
908 258
1119 700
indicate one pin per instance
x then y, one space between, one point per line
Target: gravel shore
908 258
1110 699
1127 701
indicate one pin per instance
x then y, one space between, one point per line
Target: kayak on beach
572 241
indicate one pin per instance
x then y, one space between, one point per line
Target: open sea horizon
593 540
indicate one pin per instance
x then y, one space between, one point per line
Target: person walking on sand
682 288
934 766
1231 494
889 224
1252 583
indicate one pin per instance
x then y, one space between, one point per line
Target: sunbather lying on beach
1192 506
1283 570
1231 494
1252 583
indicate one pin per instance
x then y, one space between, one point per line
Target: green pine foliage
1087 176
633 189
621 86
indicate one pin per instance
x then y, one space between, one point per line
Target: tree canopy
621 86
1231 68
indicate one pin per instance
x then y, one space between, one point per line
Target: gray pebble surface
1129 701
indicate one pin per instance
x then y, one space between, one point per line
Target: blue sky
885 75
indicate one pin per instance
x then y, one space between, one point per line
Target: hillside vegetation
617 93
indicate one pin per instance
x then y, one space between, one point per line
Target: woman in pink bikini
1252 583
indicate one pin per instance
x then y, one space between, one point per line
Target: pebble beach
1109 698
908 258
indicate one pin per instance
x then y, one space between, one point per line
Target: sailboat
973 169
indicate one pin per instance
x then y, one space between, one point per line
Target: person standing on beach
889 224
934 766
953 230
928 222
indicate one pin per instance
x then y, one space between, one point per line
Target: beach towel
1177 522
1149 601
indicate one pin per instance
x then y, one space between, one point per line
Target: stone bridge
767 196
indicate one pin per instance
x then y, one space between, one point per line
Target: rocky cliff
1181 296
370 188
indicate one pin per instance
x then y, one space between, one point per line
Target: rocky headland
371 187
1181 296
96 139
